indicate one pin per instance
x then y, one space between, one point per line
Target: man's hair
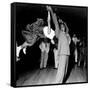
65 26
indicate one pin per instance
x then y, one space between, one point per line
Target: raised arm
54 17
48 20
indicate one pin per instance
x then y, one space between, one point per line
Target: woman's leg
46 54
45 59
42 60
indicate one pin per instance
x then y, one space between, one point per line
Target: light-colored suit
63 53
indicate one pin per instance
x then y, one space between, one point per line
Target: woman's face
62 27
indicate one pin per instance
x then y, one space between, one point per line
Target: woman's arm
49 26
54 17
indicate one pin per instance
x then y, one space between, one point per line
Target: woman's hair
34 30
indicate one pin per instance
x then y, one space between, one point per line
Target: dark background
74 16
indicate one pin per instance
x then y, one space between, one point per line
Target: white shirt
48 35
75 40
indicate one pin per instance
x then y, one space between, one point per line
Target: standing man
63 51
75 41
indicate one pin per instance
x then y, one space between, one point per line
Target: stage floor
47 76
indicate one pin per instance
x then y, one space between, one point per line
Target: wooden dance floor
47 76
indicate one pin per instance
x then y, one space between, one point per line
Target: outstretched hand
49 8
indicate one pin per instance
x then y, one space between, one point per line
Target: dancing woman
63 51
